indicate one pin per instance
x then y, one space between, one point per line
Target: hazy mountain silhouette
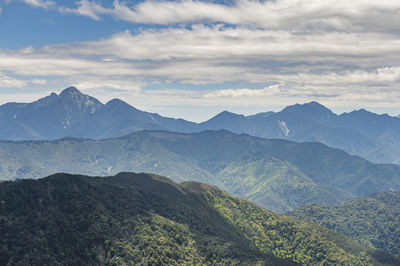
372 136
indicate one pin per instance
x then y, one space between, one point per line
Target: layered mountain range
372 136
279 175
301 161
141 219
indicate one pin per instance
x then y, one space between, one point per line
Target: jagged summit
75 100
226 115
223 120
361 111
116 102
71 91
312 109
364 113
120 108
307 106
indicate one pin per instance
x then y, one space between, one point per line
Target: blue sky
193 59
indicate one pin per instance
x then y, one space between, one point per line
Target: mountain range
279 175
142 219
71 113
304 161
74 114
374 221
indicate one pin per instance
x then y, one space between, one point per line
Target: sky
193 59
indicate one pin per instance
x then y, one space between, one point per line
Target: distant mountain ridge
277 174
77 115
374 137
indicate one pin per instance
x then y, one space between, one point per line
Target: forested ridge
374 221
147 219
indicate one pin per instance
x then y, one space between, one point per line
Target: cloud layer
337 51
299 15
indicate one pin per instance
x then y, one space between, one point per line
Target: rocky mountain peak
71 91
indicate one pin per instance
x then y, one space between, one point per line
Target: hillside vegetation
373 221
146 219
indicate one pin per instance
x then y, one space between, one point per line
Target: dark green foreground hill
374 221
146 219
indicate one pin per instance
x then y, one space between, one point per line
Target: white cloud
234 93
9 82
39 81
40 3
374 77
94 83
202 55
87 8
219 42
300 15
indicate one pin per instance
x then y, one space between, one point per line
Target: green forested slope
374 221
277 174
148 219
